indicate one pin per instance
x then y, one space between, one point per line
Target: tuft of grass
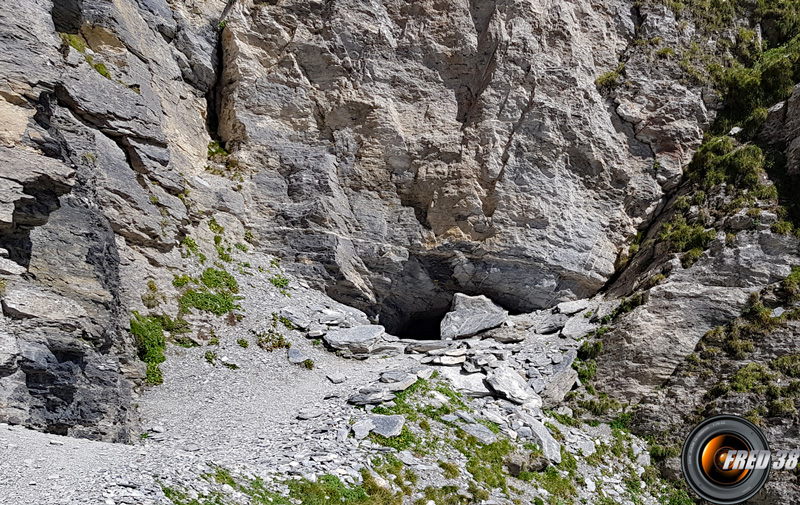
401 442
610 79
450 470
279 281
683 237
180 281
753 377
308 364
243 343
215 227
211 357
216 149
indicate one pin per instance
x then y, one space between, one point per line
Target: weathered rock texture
103 113
401 152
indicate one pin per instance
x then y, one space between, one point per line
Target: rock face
90 168
413 159
470 315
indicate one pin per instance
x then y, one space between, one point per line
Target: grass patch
221 280
216 303
150 343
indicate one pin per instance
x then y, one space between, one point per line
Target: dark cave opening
67 16
423 325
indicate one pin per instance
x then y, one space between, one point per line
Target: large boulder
470 315
359 340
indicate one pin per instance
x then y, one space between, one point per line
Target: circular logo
725 460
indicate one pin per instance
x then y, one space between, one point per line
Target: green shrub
788 364
683 237
690 257
216 303
219 280
792 284
782 408
180 281
589 350
216 149
609 79
215 227
279 281
782 228
718 161
150 343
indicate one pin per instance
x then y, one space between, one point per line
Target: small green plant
666 53
215 227
213 340
590 350
683 237
211 357
450 470
219 280
279 281
232 366
180 281
190 244
308 364
218 304
248 237
149 337
243 343
609 79
216 149
240 246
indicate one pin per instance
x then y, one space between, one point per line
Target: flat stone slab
481 432
336 377
470 315
371 397
387 426
296 357
359 339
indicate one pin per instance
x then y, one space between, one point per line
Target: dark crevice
67 15
214 95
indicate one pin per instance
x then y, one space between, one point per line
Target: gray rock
337 377
387 426
373 397
469 315
507 383
570 308
481 432
357 340
471 385
296 357
297 317
309 413
557 387
542 437
362 428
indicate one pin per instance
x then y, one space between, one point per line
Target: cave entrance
423 325
67 15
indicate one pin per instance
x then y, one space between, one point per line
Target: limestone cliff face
103 109
401 152
393 153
